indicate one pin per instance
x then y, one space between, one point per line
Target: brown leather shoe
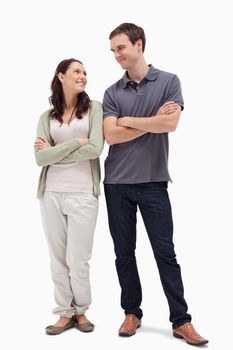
129 326
188 333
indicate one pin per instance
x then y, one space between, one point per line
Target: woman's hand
41 143
83 141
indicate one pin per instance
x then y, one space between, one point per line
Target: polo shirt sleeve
109 104
174 92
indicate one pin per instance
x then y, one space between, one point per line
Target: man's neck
138 72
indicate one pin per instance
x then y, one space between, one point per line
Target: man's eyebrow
117 47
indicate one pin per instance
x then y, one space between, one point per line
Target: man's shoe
188 333
129 326
54 330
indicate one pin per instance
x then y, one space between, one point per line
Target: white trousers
69 221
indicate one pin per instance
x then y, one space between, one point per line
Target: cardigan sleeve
96 139
56 153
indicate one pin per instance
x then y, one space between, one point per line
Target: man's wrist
127 121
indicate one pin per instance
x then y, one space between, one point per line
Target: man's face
126 54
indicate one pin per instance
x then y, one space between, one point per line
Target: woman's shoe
84 327
54 330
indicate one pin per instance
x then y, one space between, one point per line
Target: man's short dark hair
132 31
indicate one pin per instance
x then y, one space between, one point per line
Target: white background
189 38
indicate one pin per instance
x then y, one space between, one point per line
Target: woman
69 142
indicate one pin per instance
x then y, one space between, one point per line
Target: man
139 111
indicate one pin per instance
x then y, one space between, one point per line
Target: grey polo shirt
144 159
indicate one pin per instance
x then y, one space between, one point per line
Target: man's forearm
123 134
165 120
156 124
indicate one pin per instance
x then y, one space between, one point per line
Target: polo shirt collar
151 76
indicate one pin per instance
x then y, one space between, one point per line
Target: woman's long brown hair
57 98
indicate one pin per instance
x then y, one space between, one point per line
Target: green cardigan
71 150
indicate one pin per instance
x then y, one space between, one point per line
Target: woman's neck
70 101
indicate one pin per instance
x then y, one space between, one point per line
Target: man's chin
123 66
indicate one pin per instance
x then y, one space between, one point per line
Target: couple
139 111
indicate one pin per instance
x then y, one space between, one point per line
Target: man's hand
41 143
168 108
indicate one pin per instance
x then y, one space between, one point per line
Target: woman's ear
60 77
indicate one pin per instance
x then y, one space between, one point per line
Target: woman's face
74 79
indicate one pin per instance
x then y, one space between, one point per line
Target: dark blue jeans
153 202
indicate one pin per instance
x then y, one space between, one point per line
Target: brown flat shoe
188 333
84 327
129 326
55 330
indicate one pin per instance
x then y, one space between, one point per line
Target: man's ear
139 43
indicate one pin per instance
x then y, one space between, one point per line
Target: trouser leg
122 224
156 212
55 227
81 214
